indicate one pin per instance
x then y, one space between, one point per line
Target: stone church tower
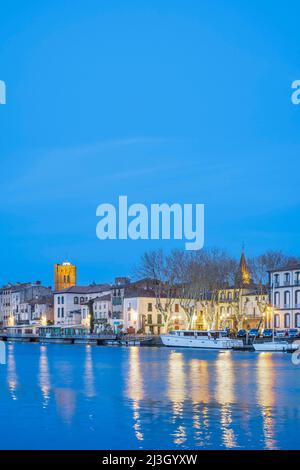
64 276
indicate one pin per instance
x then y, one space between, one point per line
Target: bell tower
64 275
244 272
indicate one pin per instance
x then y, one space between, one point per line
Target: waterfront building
119 291
68 302
64 276
243 308
245 304
141 313
16 305
285 296
102 313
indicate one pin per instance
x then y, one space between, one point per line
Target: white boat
200 339
275 346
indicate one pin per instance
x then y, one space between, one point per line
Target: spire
244 272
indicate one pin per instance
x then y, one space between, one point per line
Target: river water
82 397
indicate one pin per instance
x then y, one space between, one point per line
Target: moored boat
200 339
275 346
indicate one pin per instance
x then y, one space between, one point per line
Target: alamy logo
296 94
2 92
161 221
2 353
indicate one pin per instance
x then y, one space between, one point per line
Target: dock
92 339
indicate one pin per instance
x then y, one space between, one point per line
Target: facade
64 276
17 302
102 313
285 296
119 291
68 302
243 308
142 315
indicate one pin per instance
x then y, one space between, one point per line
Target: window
297 298
297 320
62 300
287 298
229 295
150 307
287 320
58 300
276 280
286 278
62 312
81 300
76 300
177 308
277 299
276 321
58 312
149 319
159 322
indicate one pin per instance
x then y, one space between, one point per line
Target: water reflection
199 383
44 376
179 398
135 390
89 380
225 396
66 403
176 393
12 378
266 396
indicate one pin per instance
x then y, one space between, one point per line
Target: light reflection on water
152 398
266 398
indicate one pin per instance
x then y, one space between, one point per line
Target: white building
102 313
68 302
285 296
141 314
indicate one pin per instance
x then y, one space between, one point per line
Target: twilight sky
162 101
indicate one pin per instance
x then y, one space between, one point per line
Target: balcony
286 305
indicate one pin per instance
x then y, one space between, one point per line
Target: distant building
285 296
102 313
16 302
64 276
142 315
68 302
245 304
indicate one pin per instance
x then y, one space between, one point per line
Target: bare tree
159 267
271 260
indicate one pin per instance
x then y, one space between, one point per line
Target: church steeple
244 272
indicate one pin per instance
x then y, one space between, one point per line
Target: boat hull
189 342
275 346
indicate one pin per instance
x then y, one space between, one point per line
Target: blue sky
162 101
